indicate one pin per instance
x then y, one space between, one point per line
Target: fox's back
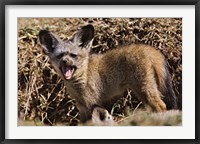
126 60
124 67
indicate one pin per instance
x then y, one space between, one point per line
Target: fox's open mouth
68 71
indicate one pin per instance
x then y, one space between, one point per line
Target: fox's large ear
84 36
48 40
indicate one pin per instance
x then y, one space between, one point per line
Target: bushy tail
169 95
165 86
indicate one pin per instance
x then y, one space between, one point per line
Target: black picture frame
4 3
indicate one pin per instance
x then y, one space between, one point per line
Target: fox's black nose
66 62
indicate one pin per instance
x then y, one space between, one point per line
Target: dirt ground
42 97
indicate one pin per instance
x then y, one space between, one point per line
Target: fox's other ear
48 40
84 36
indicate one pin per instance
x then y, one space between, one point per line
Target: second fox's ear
84 37
48 40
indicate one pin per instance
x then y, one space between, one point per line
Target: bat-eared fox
93 80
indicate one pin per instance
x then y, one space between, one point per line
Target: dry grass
41 93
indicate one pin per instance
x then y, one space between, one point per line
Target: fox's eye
60 56
72 55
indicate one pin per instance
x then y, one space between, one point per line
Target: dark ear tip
43 32
88 27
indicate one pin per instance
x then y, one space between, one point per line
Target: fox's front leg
91 108
84 113
85 106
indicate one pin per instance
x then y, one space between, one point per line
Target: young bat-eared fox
93 80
